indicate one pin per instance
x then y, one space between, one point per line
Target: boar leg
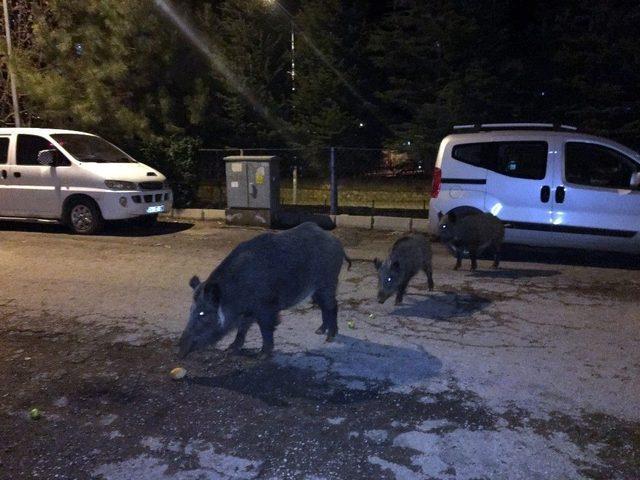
496 255
267 323
330 319
328 305
322 328
401 290
237 344
429 271
459 252
473 253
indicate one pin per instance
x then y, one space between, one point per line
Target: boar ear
377 263
212 291
440 215
194 282
452 217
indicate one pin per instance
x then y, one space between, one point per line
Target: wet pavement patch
443 305
111 410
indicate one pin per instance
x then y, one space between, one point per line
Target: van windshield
89 148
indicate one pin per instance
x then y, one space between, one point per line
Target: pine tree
252 37
596 68
331 104
116 68
419 49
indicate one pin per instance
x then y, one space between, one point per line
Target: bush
176 157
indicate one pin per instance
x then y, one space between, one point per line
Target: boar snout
382 297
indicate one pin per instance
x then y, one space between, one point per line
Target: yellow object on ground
178 373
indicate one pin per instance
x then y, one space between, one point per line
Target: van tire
83 216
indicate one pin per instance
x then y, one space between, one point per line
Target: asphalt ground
526 372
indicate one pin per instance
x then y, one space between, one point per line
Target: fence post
334 184
295 185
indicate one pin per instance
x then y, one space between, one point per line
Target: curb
367 222
202 214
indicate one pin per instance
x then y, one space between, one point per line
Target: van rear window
514 159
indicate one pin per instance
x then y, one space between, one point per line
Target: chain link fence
366 181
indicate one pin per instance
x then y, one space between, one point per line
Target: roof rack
483 127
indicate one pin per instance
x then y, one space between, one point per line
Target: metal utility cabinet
253 190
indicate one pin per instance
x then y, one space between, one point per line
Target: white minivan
75 178
550 185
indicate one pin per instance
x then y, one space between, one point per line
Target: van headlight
120 185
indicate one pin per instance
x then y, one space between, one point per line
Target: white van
75 178
550 185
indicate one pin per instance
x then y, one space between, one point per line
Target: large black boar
408 255
260 277
474 233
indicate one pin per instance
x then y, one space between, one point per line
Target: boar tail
346 257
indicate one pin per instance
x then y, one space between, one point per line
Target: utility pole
12 75
333 192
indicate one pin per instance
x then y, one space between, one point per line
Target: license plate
155 209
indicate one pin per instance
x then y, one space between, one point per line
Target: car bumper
123 205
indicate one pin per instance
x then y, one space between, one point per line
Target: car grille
158 197
151 185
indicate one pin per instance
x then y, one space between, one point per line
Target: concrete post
334 183
295 185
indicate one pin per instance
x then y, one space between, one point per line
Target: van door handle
4 174
17 174
545 194
559 194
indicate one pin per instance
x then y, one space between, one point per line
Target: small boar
474 233
408 255
260 277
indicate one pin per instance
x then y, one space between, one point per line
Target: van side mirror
635 180
47 157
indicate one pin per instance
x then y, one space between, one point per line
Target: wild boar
258 279
408 255
474 233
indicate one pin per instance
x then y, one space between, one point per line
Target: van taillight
437 180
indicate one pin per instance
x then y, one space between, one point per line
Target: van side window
597 166
30 145
4 150
514 159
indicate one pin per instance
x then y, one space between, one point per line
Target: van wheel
146 221
84 217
